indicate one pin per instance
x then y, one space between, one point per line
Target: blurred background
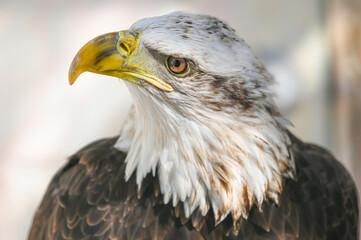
313 48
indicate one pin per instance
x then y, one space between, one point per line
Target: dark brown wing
89 199
321 204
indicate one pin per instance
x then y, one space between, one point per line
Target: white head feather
208 150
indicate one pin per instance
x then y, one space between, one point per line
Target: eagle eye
177 66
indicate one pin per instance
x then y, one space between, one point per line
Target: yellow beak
108 54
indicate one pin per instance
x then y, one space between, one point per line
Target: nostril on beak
123 49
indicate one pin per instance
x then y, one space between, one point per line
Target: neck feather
227 163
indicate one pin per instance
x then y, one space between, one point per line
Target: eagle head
204 120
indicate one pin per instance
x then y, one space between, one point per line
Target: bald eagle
204 152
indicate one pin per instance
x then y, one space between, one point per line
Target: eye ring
177 66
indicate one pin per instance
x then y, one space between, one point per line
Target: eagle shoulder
320 203
89 198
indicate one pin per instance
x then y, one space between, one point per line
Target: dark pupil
176 63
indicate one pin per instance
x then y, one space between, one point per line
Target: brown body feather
89 199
